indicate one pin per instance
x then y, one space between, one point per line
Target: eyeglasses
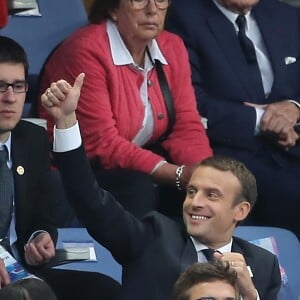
141 4
17 86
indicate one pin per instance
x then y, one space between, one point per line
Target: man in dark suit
252 105
26 228
155 250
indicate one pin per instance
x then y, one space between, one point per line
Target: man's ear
242 210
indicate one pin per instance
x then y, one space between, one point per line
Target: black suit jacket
153 251
30 151
221 74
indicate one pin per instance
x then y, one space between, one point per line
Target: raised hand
60 101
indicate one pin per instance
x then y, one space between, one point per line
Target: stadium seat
40 34
288 252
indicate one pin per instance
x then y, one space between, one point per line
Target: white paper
89 245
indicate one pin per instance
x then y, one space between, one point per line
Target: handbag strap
165 89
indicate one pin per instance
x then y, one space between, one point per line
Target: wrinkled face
238 6
209 212
11 103
139 25
216 290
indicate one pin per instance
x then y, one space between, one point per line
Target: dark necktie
6 194
253 72
246 43
209 254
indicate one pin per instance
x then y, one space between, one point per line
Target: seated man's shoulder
250 249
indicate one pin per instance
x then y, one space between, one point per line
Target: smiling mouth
196 217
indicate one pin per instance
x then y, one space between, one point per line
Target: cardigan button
149 82
160 116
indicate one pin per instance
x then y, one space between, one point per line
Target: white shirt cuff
159 164
295 102
66 139
37 232
259 114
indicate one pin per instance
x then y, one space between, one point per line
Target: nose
9 95
152 6
198 200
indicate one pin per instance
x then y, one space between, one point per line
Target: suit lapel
189 255
226 37
248 258
276 38
19 154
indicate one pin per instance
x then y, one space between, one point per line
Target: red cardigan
3 13
110 111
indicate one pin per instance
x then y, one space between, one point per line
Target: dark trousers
137 192
78 285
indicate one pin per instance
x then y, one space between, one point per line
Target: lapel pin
20 170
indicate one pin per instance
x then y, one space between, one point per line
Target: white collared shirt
121 56
199 247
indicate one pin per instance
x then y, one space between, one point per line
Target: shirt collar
230 15
121 55
7 143
199 246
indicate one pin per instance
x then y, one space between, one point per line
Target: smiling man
155 250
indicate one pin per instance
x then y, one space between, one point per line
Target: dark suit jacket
30 150
154 251
220 72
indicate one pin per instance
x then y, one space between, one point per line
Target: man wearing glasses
27 229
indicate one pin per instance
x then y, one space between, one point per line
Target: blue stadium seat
39 35
288 247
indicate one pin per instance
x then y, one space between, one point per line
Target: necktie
209 254
253 72
246 43
6 194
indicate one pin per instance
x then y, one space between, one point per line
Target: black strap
164 86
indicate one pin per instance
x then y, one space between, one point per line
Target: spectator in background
27 289
3 13
27 229
122 112
247 86
207 281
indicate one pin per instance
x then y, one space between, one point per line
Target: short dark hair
101 10
12 52
239 170
27 289
203 272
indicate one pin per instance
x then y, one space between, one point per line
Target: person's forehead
215 290
12 71
206 176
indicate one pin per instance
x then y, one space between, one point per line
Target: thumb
79 81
